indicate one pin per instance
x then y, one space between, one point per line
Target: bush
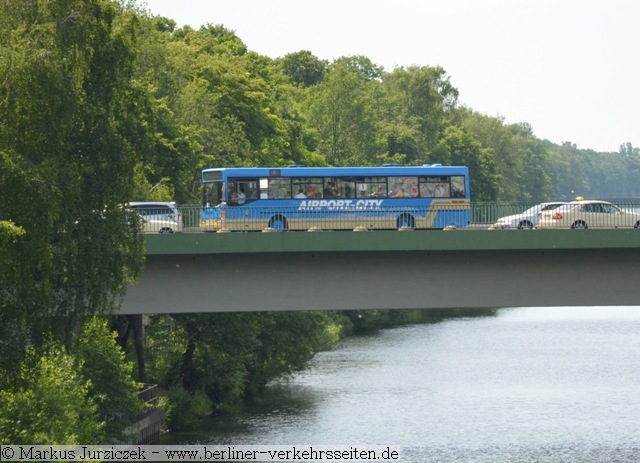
184 410
50 405
111 383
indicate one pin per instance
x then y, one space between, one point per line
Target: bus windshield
213 194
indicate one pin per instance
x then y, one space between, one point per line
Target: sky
569 68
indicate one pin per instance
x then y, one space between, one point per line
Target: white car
589 214
158 217
527 219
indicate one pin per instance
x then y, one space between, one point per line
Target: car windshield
533 210
539 208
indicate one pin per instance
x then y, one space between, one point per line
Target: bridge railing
190 216
146 426
482 215
487 213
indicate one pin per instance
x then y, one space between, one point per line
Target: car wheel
525 225
580 225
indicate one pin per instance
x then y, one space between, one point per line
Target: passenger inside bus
241 197
414 190
330 191
236 198
457 192
440 191
397 191
311 191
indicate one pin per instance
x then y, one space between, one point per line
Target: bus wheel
406 221
278 223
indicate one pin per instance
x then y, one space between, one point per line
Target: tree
421 97
521 160
287 341
65 166
341 110
49 404
362 66
460 148
531 179
303 68
230 356
627 149
109 376
218 93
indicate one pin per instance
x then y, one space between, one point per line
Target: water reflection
532 384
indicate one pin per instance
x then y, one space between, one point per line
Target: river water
525 385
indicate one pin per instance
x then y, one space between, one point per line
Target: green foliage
229 356
627 149
9 234
79 397
110 377
419 99
287 341
49 403
360 65
166 341
303 68
66 166
521 160
576 172
340 110
185 410
460 148
217 95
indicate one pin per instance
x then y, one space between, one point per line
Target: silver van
158 217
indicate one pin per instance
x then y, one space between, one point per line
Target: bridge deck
424 240
387 270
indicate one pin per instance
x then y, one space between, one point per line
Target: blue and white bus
430 196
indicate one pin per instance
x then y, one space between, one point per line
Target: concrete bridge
223 272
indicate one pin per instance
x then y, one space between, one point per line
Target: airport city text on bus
431 196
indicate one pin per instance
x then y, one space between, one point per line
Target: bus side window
457 186
348 188
403 187
370 187
310 187
279 188
251 190
433 187
411 187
